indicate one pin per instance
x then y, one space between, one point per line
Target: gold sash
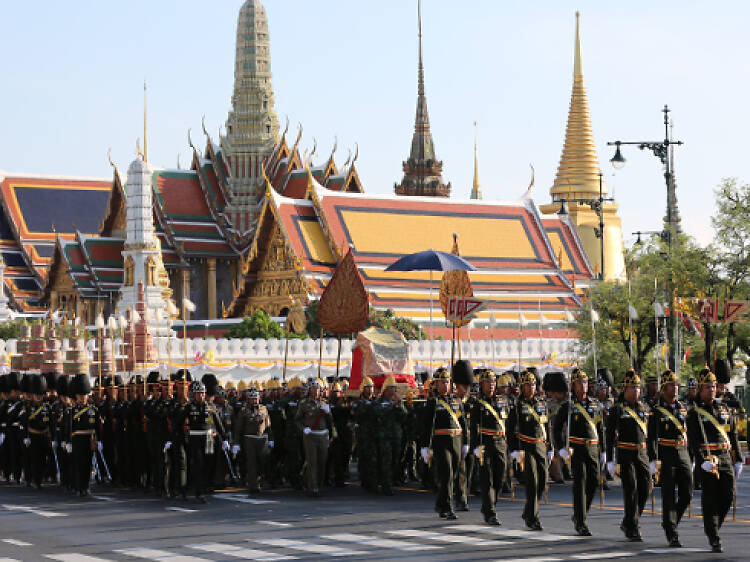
673 419
79 414
715 423
450 411
538 420
586 415
640 423
35 414
494 413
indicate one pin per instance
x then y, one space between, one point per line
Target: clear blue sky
72 76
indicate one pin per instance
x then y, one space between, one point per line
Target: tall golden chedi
578 178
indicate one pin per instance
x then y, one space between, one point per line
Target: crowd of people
460 432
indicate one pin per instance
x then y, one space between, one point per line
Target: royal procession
252 356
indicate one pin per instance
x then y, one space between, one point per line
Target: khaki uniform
252 431
316 424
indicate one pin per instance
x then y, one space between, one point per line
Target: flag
594 315
658 310
632 312
522 320
569 316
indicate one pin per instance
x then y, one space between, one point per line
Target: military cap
3 383
230 385
723 371
153 377
535 372
503 380
631 379
601 383
441 374
197 386
462 372
14 380
554 381
390 381
668 377
366 381
242 386
63 384
219 391
578 375
183 375
253 393
692 382
315 382
652 378
295 383
117 381
51 379
81 385
136 380
26 383
527 377
210 381
485 375
38 385
706 377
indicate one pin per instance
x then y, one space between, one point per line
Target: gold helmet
390 381
668 377
335 387
442 374
242 386
527 377
631 379
706 377
230 386
366 381
485 375
578 375
294 383
652 378
503 380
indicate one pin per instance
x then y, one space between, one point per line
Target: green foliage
259 325
10 330
385 319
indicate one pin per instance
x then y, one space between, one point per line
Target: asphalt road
118 524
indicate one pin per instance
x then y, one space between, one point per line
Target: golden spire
579 163
476 190
145 125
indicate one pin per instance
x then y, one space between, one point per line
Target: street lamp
638 233
597 205
663 150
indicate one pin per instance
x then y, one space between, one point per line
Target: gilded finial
190 140
531 183
356 153
335 147
203 126
109 157
145 124
286 127
578 65
476 190
138 151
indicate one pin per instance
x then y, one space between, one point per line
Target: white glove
550 454
611 467
99 446
516 456
737 469
652 468
326 408
425 454
603 458
54 444
270 444
167 446
476 452
464 451
27 441
2 438
225 445
708 466
564 454
69 448
235 449
306 431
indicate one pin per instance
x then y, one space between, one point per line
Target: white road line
310 547
104 498
275 523
515 533
542 559
16 542
161 555
602 555
181 509
242 499
239 552
441 537
28 509
382 543
74 557
672 550
9 560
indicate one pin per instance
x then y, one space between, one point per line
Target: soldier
668 452
463 378
253 435
62 425
627 432
84 433
409 467
203 425
294 455
712 435
121 412
366 436
14 427
176 447
556 391
39 425
4 470
529 440
582 415
276 412
389 418
156 412
692 392
314 421
442 438
488 441
341 449
652 390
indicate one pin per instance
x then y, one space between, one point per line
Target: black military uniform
14 427
667 447
176 447
488 442
293 452
586 437
3 427
627 432
62 429
137 442
156 412
278 427
529 431
463 374
444 433
84 434
341 448
37 418
712 435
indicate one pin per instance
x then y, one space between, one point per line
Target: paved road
345 523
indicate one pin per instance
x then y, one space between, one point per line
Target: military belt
203 432
319 432
83 432
39 432
583 441
527 439
492 432
447 432
718 446
256 436
676 443
631 446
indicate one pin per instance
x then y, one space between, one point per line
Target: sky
73 73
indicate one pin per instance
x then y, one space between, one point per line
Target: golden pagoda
578 177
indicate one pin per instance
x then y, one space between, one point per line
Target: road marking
428 535
515 533
28 509
16 542
383 543
161 555
531 559
275 523
671 550
74 557
600 555
310 547
9 560
104 498
181 509
239 552
242 499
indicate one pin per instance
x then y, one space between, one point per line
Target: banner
709 310
460 310
735 310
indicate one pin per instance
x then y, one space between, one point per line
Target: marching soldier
652 390
156 411
463 378
84 433
627 433
176 447
293 452
253 435
276 412
488 441
668 451
314 421
389 416
582 415
442 438
529 440
3 427
39 426
14 425
712 435
341 449
366 436
62 423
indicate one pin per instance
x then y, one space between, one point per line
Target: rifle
57 464
658 467
104 462
602 449
231 468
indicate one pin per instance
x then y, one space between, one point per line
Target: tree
258 326
10 330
